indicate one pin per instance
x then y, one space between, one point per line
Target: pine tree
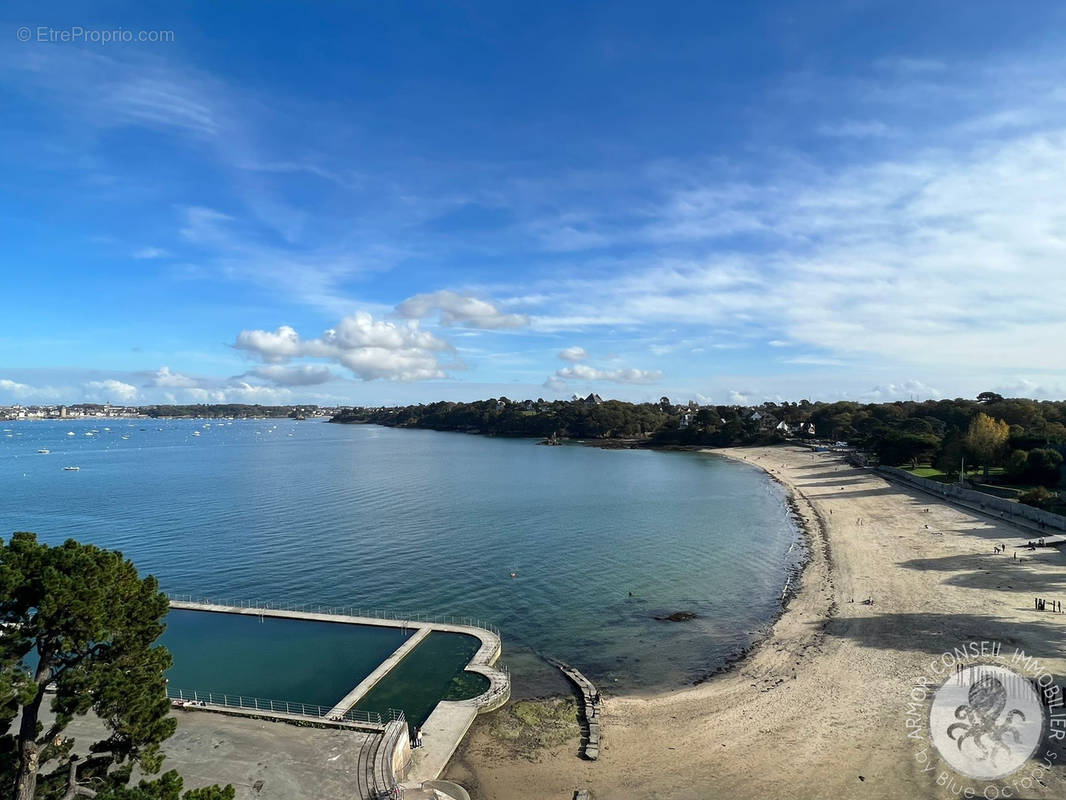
90 622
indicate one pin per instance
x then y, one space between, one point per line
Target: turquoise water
602 541
270 658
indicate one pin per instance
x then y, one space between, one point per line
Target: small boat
90 433
71 469
44 452
125 436
70 433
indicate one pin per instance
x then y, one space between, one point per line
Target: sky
384 203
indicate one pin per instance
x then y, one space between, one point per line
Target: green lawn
934 474
926 472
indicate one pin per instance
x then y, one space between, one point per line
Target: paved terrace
449 721
262 759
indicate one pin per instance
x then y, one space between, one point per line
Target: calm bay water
602 541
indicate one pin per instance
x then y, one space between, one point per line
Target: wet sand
818 709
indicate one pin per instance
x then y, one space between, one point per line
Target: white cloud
573 354
272 346
369 348
820 361
22 391
111 391
856 129
164 377
584 372
239 392
157 101
457 309
742 397
557 385
298 375
942 259
150 252
14 387
1053 389
907 390
204 225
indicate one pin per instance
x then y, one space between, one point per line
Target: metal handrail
310 710
392 615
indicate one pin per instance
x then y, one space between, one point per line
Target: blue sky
403 202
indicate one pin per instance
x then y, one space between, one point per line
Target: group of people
188 704
1041 605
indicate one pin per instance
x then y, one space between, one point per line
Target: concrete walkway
441 734
280 716
355 695
450 720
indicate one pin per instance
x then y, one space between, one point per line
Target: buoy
514 574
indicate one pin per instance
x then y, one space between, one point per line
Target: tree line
1023 437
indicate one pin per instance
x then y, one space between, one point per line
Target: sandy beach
818 710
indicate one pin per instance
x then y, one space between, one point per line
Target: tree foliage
987 439
943 432
1042 466
1038 497
167 787
79 620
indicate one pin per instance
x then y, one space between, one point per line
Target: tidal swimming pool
308 661
301 661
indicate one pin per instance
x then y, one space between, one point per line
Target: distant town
237 411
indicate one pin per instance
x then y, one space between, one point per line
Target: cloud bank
369 348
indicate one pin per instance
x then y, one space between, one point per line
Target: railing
496 688
393 615
195 699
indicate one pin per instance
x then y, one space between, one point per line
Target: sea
575 552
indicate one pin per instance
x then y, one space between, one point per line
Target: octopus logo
986 721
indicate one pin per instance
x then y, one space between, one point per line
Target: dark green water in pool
432 671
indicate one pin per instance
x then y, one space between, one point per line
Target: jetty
590 706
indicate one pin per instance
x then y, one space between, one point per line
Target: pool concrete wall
449 721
